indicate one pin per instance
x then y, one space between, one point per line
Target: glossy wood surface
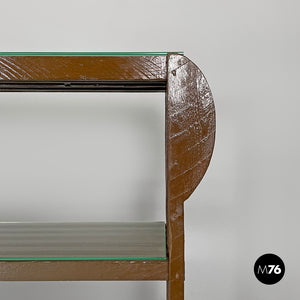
82 68
190 135
191 127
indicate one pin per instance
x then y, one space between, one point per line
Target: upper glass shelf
86 53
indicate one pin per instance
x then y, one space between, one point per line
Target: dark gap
84 86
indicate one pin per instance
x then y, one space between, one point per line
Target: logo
269 268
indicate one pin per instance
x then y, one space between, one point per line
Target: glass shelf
86 53
82 241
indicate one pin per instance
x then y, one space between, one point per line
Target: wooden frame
190 135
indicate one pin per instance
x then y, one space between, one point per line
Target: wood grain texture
45 68
83 270
191 126
190 135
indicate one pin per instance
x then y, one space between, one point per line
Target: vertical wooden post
190 135
175 239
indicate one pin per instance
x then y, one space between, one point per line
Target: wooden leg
175 289
175 240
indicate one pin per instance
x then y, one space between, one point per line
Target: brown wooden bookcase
189 141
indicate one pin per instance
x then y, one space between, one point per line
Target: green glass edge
80 258
85 53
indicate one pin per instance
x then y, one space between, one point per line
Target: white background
101 156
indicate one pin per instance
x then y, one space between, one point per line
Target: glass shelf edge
77 258
88 53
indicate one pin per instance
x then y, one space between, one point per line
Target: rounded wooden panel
191 125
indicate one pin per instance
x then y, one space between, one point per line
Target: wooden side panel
40 68
83 270
190 135
191 126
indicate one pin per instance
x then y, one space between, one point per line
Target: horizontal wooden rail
83 270
82 68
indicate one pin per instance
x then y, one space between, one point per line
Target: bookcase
31 251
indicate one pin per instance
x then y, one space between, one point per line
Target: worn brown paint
190 135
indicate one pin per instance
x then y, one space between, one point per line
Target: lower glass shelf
82 241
